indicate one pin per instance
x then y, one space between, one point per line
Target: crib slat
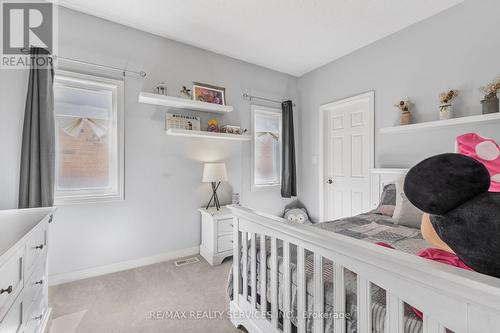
318 293
287 324
364 305
263 274
394 314
244 260
301 291
432 326
236 260
253 270
339 324
274 282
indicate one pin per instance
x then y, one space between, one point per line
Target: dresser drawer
13 321
34 316
225 226
225 243
36 248
11 280
33 287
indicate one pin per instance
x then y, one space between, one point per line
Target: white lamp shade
214 172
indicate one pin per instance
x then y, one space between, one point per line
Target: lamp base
214 196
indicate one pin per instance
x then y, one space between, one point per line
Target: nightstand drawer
11 280
225 227
225 243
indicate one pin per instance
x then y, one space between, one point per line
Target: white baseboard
120 266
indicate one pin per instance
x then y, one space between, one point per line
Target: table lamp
214 173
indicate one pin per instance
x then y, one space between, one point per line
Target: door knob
7 290
330 181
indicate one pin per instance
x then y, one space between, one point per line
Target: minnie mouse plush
463 216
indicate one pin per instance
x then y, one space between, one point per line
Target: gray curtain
288 168
36 185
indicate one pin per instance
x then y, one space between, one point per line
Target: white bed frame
462 301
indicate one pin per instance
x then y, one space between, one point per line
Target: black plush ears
441 183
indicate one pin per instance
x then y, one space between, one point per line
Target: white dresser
23 270
216 235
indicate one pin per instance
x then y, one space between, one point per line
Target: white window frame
274 111
118 136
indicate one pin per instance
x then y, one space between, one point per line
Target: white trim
391 171
321 130
118 173
264 109
121 266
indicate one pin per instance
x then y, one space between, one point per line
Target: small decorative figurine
405 107
185 93
213 125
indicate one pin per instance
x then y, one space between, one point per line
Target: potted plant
405 107
446 100
490 101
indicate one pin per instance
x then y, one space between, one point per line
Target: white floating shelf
182 103
483 118
207 135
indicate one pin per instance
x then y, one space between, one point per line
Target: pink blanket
436 255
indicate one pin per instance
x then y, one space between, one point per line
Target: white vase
445 111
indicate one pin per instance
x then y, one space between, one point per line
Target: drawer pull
231 241
39 247
39 282
51 217
231 225
8 290
39 317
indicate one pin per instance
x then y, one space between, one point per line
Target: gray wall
163 186
458 48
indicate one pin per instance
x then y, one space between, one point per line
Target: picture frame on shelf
208 93
182 122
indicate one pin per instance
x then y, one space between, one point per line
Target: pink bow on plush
486 151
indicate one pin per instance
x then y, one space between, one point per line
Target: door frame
321 141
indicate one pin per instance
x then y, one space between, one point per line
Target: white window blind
89 138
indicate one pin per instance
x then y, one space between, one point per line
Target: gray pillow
406 214
387 201
388 196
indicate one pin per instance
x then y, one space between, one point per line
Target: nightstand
216 235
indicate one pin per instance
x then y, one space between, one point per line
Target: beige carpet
123 302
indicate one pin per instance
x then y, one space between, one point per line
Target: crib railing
451 299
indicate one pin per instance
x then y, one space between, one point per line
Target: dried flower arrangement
491 88
447 97
404 106
490 103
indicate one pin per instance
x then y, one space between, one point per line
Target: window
266 150
89 138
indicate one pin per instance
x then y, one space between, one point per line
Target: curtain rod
250 97
142 74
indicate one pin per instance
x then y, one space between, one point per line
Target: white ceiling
290 36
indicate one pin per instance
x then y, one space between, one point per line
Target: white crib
450 298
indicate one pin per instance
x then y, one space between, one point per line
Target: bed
370 227
338 262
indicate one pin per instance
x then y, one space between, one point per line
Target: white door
348 147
